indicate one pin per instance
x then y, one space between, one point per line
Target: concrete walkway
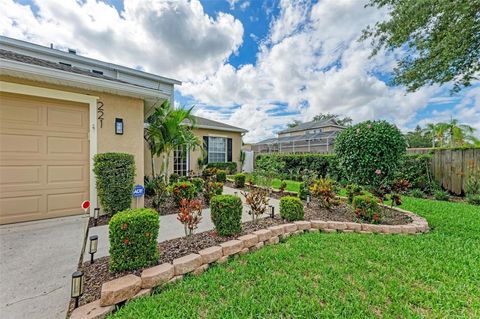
37 260
170 227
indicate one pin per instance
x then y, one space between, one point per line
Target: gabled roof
205 123
311 125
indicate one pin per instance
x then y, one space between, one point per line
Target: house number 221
100 113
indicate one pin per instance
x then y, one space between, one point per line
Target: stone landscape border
129 287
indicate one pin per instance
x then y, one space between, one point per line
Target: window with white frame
217 149
180 161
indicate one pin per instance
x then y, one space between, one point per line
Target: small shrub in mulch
221 176
239 180
366 208
226 212
133 239
210 189
181 190
291 208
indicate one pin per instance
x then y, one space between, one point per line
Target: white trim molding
66 96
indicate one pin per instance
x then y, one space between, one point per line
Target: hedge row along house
58 109
308 137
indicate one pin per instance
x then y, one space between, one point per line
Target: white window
217 149
180 161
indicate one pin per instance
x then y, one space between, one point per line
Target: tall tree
441 39
418 138
167 129
344 121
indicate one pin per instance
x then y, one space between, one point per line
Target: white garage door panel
44 158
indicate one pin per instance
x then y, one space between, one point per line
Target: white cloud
310 62
172 38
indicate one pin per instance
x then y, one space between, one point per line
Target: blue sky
252 63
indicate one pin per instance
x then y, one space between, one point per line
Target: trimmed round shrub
221 176
182 190
370 151
291 208
367 208
115 174
133 239
226 212
239 180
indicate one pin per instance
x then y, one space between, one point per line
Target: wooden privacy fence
451 168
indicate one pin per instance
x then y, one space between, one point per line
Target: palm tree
437 132
167 129
459 134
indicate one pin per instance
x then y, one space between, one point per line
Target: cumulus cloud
173 38
310 61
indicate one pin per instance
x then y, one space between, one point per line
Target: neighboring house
57 110
220 143
309 137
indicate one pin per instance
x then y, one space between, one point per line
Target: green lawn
434 275
292 186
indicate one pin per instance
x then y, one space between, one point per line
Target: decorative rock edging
130 286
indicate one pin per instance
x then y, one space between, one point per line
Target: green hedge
115 174
226 212
293 164
230 167
239 180
291 208
133 239
416 169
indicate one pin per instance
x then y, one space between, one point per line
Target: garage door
44 158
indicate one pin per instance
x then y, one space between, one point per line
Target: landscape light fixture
77 286
308 200
272 211
96 214
93 247
236 193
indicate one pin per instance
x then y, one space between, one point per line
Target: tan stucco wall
194 155
115 106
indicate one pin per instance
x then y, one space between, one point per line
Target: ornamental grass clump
291 208
133 239
190 215
257 199
367 209
115 173
324 190
226 212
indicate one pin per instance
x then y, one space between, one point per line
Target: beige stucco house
220 143
57 110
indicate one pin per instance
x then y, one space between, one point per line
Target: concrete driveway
36 263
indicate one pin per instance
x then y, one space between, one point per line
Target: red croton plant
190 214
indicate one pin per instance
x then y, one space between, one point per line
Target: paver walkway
37 260
170 227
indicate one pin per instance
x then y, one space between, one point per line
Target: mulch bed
97 273
276 194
